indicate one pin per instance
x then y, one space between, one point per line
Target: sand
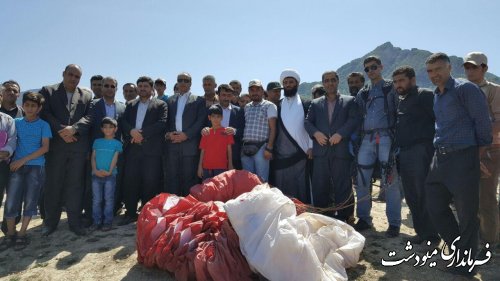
112 256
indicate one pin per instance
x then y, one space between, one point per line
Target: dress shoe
80 231
416 240
126 220
392 231
362 225
48 230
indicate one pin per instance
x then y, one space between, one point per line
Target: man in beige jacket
476 66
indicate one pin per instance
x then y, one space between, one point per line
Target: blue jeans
367 156
257 164
103 189
24 186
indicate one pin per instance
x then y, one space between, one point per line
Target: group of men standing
435 144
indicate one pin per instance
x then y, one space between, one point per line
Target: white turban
290 73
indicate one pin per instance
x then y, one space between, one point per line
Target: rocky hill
393 57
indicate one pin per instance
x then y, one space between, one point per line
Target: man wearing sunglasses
377 103
186 117
107 106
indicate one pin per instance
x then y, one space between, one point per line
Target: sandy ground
111 256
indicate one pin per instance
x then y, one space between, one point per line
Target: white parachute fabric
282 246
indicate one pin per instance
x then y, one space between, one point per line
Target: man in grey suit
331 120
186 117
67 109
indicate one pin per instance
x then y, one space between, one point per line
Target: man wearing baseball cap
259 133
160 86
293 145
475 67
274 92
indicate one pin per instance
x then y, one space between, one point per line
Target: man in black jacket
331 121
186 117
67 109
413 136
143 125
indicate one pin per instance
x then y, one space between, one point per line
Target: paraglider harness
382 170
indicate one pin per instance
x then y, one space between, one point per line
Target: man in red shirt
216 153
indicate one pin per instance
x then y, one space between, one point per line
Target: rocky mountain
393 57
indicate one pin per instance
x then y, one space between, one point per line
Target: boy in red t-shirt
216 154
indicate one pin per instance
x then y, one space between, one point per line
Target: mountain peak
393 57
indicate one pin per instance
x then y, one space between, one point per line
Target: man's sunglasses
371 67
182 80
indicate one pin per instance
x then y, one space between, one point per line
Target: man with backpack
377 103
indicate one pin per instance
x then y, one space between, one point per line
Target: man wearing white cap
293 146
476 66
259 133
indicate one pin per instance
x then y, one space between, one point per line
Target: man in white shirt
186 117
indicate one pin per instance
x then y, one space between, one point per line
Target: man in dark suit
67 109
143 125
331 120
186 117
107 106
233 119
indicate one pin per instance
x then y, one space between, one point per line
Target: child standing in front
216 154
104 158
27 167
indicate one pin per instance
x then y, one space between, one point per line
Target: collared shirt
256 120
110 110
181 104
209 103
461 115
141 113
415 117
492 93
375 113
226 114
163 98
292 116
331 109
70 97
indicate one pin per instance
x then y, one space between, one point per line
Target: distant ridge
392 58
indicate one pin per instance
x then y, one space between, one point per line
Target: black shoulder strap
279 164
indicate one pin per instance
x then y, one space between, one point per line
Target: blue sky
229 39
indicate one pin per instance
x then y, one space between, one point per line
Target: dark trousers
414 165
65 185
141 179
181 170
87 193
4 178
119 183
455 176
331 183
